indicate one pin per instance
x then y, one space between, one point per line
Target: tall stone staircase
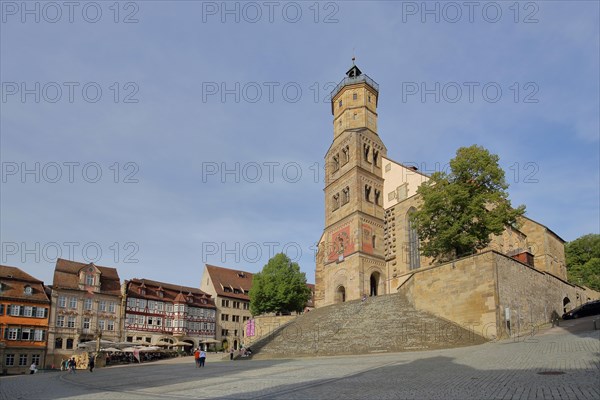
386 323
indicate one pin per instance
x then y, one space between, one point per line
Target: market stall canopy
93 343
111 349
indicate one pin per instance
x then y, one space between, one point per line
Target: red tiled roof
232 279
171 292
14 281
66 276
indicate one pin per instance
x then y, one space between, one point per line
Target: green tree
279 287
583 261
461 209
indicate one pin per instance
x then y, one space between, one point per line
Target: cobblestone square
556 363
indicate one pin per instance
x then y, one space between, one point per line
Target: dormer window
89 279
28 290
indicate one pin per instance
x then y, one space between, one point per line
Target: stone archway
340 294
374 284
566 302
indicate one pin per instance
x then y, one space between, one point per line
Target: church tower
350 260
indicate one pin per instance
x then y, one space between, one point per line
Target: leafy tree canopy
583 261
463 208
279 287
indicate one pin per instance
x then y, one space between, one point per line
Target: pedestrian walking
72 365
202 358
231 354
91 362
197 357
32 368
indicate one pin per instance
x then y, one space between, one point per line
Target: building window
375 157
235 318
38 335
60 321
101 324
224 303
368 193
87 304
224 332
26 334
111 307
22 360
366 149
336 162
41 312
369 98
10 360
69 343
62 301
224 317
354 96
102 305
13 310
35 358
27 311
346 154
336 201
86 323
414 260
58 343
377 196
71 322
110 326
13 333
346 195
89 280
73 302
131 302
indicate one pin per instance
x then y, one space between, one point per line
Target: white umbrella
113 349
150 348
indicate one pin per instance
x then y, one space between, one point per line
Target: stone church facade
368 247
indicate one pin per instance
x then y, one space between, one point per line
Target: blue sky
191 90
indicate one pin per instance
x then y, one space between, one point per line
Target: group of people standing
70 364
199 357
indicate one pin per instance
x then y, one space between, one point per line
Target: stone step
379 324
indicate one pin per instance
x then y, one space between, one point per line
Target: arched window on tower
336 201
375 157
377 196
368 193
346 195
366 149
414 258
346 154
336 162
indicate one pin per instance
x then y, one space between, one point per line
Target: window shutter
1 309
19 334
21 311
45 313
33 310
43 335
6 332
8 309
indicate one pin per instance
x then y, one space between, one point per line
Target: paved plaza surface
556 363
